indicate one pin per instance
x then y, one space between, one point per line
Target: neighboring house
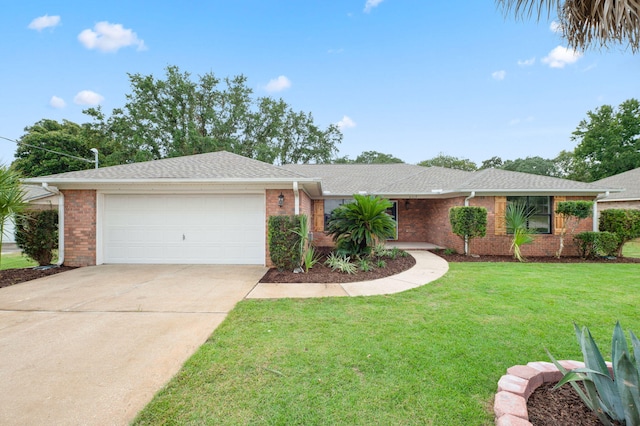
628 197
37 198
213 208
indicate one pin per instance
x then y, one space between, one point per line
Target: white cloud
87 97
278 84
57 102
561 56
527 62
517 121
499 75
43 22
346 123
109 37
556 27
371 4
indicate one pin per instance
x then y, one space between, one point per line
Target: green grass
15 261
432 355
632 249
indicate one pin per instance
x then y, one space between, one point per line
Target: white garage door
174 229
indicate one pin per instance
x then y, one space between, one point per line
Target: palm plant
11 199
584 23
517 217
356 227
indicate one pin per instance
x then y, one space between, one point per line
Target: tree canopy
608 141
587 23
450 162
369 157
178 116
38 151
534 165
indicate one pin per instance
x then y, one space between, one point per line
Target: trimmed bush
572 211
284 242
468 222
624 223
37 235
593 244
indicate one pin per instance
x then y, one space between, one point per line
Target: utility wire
46 149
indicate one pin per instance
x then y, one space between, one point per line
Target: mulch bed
563 406
16 276
321 273
533 259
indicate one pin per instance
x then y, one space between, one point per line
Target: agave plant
611 398
517 217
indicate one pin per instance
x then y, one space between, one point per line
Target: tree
608 141
11 199
37 235
467 223
38 152
574 212
534 165
492 163
586 23
179 116
375 157
450 162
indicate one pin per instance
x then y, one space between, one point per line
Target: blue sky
408 78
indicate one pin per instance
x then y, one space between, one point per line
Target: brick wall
79 227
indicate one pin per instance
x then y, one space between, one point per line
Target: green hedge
594 244
469 222
37 234
284 243
624 223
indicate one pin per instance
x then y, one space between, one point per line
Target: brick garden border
515 387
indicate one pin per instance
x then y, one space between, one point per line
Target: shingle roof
629 181
501 180
211 166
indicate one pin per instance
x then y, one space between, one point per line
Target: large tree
450 162
50 147
586 23
178 116
369 157
608 141
534 165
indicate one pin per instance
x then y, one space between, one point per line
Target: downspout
55 191
296 196
466 238
595 211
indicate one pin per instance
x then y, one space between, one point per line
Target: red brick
510 403
509 420
533 377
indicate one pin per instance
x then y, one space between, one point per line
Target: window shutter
500 224
558 219
318 215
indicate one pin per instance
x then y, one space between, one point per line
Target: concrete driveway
93 345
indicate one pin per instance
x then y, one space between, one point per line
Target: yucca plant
517 217
611 398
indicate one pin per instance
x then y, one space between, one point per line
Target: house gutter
466 238
296 196
55 191
595 210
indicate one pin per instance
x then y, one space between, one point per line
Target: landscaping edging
515 387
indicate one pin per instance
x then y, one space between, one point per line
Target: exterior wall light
280 200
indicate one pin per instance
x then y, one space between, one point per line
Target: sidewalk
428 267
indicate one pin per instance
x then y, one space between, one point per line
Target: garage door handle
183 237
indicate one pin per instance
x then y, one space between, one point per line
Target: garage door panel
215 229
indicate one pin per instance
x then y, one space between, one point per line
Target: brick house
213 208
628 197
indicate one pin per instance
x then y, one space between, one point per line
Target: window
540 220
331 204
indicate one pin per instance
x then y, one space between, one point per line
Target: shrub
610 398
593 244
284 243
574 212
624 223
516 217
468 222
364 265
356 227
341 263
37 235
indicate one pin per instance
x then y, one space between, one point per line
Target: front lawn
632 248
432 355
